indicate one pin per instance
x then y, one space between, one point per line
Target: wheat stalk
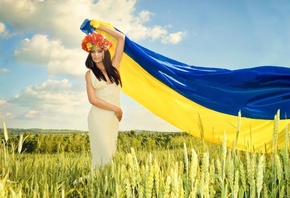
5 132
20 144
3 186
150 176
223 160
157 176
243 176
167 187
236 184
185 160
212 191
279 169
193 167
128 188
174 180
204 177
260 175
265 191
231 171
193 192
252 175
275 132
238 128
219 169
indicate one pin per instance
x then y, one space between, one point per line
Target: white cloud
31 114
2 28
51 104
4 32
4 70
144 16
173 38
2 102
40 50
157 31
62 19
50 93
9 115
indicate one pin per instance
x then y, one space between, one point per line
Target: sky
42 67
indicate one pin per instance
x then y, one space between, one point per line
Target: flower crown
96 40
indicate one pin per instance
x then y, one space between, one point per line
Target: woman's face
97 55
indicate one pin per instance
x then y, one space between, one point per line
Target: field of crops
146 165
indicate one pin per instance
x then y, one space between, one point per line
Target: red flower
95 40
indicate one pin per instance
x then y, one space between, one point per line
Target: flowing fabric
208 102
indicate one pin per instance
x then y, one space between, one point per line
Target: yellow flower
89 46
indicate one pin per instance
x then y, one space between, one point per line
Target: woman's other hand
119 113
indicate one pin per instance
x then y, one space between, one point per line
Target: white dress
103 125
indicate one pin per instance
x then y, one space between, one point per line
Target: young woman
103 84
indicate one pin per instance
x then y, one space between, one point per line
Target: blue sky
42 65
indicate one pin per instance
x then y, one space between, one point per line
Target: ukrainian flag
249 105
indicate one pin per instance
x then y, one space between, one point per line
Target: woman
103 84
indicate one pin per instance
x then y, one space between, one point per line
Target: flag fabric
250 106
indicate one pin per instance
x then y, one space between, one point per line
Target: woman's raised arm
120 37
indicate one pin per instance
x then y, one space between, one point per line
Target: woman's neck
101 66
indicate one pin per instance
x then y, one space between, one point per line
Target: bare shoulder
87 75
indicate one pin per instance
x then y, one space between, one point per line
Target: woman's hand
96 23
119 113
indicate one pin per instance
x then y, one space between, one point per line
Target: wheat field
198 170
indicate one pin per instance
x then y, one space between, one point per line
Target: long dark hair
112 72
